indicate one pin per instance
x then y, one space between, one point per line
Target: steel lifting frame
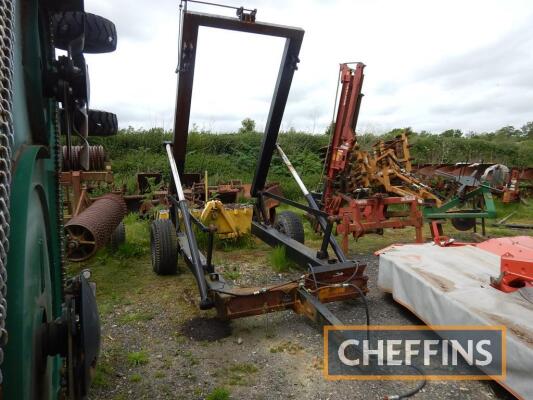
327 279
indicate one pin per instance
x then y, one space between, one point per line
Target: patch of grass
131 218
245 241
287 347
103 372
137 238
180 339
135 317
135 378
159 375
129 250
238 374
117 273
137 358
187 374
523 212
218 394
232 274
192 359
279 260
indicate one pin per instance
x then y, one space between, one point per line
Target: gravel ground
150 353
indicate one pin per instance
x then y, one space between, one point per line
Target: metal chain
59 196
6 143
58 160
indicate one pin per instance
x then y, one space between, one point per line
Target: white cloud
430 65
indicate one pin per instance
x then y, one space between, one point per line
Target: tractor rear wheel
99 33
102 123
163 244
291 225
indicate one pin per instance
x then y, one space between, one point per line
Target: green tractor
49 324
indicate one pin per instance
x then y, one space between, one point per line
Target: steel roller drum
92 228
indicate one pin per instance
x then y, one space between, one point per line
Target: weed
287 347
237 374
187 375
129 250
279 260
135 378
137 358
180 339
131 218
103 371
219 394
192 359
245 241
244 368
159 374
232 274
135 317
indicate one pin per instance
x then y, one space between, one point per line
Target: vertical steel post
287 67
185 71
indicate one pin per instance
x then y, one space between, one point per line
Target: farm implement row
370 191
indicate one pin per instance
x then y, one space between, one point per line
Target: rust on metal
511 183
97 158
93 227
327 286
76 186
361 186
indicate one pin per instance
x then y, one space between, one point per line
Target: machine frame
328 279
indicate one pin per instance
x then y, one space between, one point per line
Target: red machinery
359 210
511 191
516 267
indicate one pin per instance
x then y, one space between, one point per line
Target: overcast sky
431 65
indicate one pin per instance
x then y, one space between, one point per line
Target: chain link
59 196
6 143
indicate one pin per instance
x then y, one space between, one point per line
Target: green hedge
234 155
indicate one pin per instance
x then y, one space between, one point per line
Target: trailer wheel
118 237
102 123
99 33
291 225
463 224
163 244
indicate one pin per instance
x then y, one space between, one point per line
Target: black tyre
118 237
463 224
102 123
291 225
100 33
163 243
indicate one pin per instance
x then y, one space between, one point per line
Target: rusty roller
97 158
92 228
